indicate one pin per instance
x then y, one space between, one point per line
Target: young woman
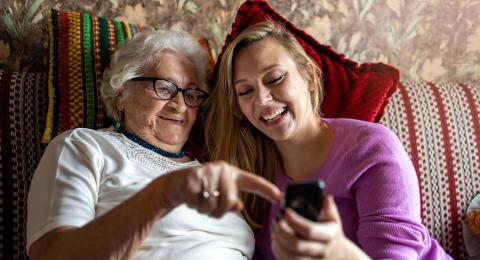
264 117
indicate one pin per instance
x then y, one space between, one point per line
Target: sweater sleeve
385 186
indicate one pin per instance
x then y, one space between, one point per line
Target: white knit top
85 173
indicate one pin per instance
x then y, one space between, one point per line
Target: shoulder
81 139
372 148
366 144
362 133
84 134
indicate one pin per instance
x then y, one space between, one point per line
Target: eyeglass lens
167 90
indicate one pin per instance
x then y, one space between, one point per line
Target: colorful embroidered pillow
352 90
80 46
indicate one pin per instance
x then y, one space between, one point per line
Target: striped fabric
23 99
439 126
80 46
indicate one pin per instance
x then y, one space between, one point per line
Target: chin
173 139
277 137
179 142
278 134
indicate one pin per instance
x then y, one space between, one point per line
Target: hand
295 237
212 188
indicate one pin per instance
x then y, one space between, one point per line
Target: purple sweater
375 188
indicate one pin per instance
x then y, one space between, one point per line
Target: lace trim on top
144 156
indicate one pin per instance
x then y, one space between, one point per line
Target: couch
438 124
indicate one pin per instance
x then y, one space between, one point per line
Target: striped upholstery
23 99
439 126
80 46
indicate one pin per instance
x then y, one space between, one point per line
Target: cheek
244 107
247 109
143 103
192 116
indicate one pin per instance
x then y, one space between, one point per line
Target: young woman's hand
212 188
295 237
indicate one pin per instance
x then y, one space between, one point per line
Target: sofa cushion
439 125
80 46
352 90
23 100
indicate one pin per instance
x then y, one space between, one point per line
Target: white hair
139 55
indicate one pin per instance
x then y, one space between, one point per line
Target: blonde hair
229 135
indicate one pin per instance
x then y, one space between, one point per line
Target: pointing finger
251 183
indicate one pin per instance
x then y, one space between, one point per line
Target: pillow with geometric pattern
80 46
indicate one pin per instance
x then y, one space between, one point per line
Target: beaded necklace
151 147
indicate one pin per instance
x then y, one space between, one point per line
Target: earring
117 121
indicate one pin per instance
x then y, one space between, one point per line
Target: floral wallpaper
433 40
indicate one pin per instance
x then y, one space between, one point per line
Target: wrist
160 194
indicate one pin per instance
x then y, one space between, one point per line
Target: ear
120 101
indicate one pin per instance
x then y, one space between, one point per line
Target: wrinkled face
271 92
165 123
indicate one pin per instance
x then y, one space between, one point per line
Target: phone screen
305 198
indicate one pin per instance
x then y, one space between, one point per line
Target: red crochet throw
351 90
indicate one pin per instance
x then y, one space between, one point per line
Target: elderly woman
130 191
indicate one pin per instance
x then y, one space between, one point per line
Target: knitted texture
80 49
22 118
351 90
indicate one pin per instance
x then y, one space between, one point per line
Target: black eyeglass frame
174 94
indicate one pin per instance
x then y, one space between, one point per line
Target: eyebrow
264 69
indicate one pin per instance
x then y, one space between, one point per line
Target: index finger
252 183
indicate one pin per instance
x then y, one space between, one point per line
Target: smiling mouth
274 115
175 120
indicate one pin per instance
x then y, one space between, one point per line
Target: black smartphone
306 198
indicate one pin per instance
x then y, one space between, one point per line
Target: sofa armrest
439 127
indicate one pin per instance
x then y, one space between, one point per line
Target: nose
262 95
178 103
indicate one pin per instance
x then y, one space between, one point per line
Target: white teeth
274 114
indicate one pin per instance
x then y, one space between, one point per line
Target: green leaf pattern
433 40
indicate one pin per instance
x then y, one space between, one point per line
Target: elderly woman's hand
212 188
295 237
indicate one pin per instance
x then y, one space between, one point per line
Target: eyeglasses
167 90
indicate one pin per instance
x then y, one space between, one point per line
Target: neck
304 154
147 145
150 138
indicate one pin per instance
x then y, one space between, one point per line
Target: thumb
330 211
